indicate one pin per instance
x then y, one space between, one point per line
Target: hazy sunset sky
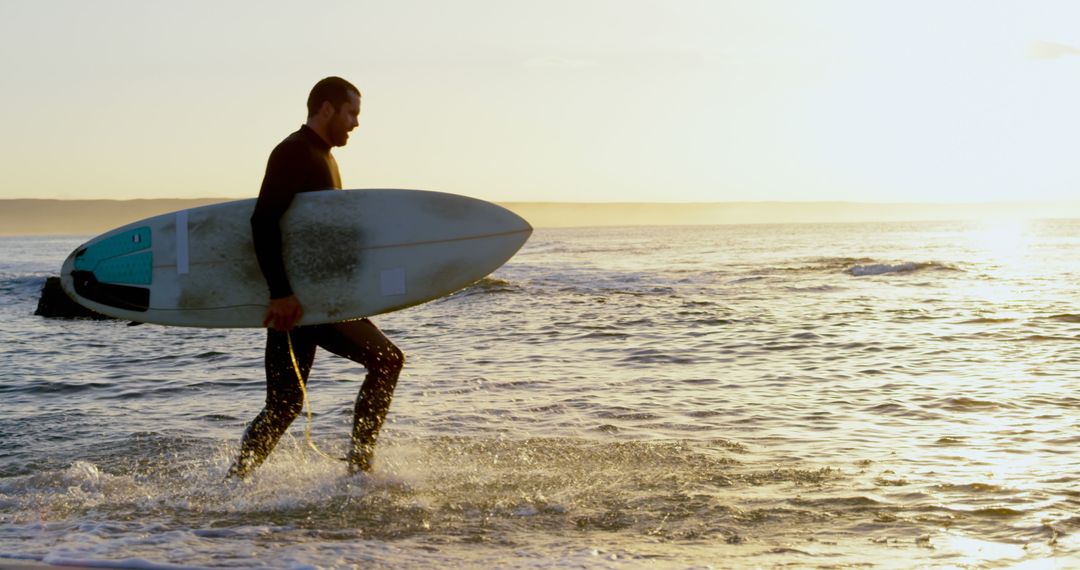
554 100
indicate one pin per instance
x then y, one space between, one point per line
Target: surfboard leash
307 404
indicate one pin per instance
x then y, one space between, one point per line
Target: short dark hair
333 89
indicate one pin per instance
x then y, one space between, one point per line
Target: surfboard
348 254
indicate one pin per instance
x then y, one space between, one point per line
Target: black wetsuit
300 163
303 163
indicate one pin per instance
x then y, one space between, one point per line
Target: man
303 163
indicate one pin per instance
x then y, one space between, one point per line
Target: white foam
883 268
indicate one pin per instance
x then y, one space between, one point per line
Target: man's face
344 120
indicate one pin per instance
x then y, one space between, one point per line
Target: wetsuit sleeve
280 184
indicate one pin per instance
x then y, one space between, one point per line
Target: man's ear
327 110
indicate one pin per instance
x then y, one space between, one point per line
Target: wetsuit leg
284 399
362 342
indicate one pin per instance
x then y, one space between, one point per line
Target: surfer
303 163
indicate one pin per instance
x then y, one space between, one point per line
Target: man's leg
284 398
362 342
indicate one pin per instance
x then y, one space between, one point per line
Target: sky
559 100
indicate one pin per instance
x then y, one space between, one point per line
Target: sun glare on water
1006 240
1004 247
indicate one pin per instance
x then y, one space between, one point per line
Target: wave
868 269
1065 318
966 404
1049 338
812 288
989 321
749 279
821 264
855 266
488 286
21 285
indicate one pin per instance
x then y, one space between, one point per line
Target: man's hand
283 313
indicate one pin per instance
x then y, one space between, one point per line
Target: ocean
744 396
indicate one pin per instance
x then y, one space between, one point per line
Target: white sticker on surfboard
392 281
182 259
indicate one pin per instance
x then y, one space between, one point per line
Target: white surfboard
348 254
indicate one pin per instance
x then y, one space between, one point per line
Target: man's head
334 109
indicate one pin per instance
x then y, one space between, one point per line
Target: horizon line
612 203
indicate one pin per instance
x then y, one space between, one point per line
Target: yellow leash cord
307 405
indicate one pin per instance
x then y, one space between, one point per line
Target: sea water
857 395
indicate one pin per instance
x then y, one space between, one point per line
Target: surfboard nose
513 220
524 224
527 226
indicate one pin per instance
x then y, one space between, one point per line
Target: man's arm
279 186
